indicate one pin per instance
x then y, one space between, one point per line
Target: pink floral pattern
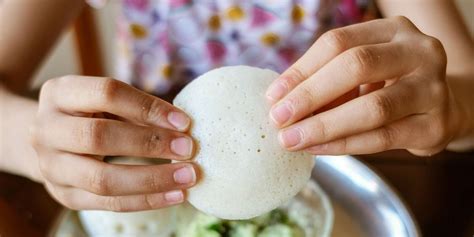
164 44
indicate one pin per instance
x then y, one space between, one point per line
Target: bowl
363 203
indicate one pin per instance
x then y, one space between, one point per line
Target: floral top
164 44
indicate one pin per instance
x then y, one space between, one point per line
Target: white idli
245 172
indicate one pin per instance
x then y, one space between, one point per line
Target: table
439 190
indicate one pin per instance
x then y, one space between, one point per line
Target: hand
366 88
74 131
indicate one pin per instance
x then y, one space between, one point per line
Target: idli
245 172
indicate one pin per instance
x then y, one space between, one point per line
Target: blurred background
63 60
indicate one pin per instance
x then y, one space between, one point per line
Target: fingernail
281 113
276 91
174 196
179 120
185 175
290 137
182 146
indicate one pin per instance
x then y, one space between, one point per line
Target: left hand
367 88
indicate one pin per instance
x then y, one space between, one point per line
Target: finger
360 65
77 199
106 179
115 138
367 88
352 94
358 115
97 94
328 46
414 132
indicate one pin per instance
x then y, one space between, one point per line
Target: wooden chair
87 44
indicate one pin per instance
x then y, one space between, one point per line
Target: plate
363 203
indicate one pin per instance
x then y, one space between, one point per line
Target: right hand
82 119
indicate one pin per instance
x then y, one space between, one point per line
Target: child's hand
367 88
73 132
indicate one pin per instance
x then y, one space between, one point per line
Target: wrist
463 113
17 155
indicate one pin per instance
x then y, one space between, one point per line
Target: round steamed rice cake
245 172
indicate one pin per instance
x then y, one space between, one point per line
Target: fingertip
185 175
281 113
179 120
276 91
182 147
290 138
174 197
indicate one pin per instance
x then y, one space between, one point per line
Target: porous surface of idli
245 172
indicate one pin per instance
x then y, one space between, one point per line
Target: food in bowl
309 214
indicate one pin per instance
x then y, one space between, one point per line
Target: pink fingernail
185 175
179 120
281 113
176 196
290 137
276 91
182 146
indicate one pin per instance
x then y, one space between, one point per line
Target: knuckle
305 94
403 21
92 135
99 183
432 43
296 77
360 61
52 84
345 145
152 182
336 39
386 138
106 90
152 111
64 80
114 204
47 86
322 129
149 204
380 108
153 144
435 48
